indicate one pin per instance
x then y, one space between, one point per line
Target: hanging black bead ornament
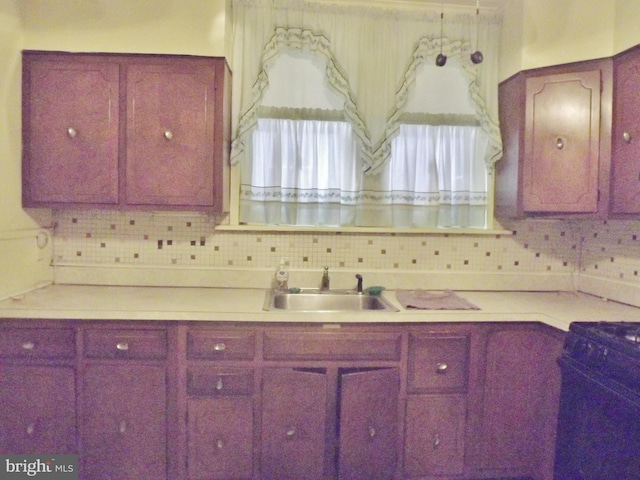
441 59
476 57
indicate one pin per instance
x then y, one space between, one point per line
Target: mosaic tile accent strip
151 239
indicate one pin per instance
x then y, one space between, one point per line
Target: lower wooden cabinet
37 409
220 438
124 422
294 423
206 401
435 435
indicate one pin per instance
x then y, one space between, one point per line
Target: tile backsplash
147 238
607 249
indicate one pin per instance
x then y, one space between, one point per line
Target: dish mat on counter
424 300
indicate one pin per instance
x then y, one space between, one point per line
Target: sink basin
332 301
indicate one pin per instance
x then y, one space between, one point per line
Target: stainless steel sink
312 300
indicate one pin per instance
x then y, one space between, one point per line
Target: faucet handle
359 287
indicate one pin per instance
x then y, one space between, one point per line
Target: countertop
557 309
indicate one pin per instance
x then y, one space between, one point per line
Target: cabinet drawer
38 342
438 363
332 346
219 381
215 345
135 344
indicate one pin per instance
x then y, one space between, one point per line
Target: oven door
598 427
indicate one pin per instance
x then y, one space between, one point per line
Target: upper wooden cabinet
556 126
141 131
625 144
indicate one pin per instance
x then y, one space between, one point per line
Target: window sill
364 230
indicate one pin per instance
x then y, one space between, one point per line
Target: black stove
611 349
599 418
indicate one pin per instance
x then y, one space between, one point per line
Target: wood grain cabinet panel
625 155
220 438
294 418
37 410
562 143
435 435
170 133
71 130
124 422
438 363
368 424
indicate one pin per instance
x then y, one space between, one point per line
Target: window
316 148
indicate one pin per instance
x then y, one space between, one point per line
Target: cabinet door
562 142
294 407
625 159
124 422
434 437
70 132
220 438
37 410
368 413
521 397
170 133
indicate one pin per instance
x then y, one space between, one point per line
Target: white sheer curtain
436 178
303 172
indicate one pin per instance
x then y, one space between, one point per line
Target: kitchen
593 256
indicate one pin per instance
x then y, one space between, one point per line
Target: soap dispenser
282 277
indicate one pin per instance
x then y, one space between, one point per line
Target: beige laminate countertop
557 309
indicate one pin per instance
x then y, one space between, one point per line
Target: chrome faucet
324 286
359 287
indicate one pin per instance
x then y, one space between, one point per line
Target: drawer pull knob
627 137
31 428
436 441
441 368
122 346
219 444
291 432
168 134
372 432
122 427
28 345
219 347
559 143
72 132
219 384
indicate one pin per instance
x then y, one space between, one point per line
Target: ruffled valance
371 55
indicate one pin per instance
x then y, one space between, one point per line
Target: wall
22 264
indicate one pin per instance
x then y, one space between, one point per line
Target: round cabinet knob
627 137
559 143
372 432
28 345
31 428
291 432
168 134
219 444
219 347
122 346
72 132
122 427
436 441
219 384
441 368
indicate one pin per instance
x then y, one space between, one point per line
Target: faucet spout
359 287
324 286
